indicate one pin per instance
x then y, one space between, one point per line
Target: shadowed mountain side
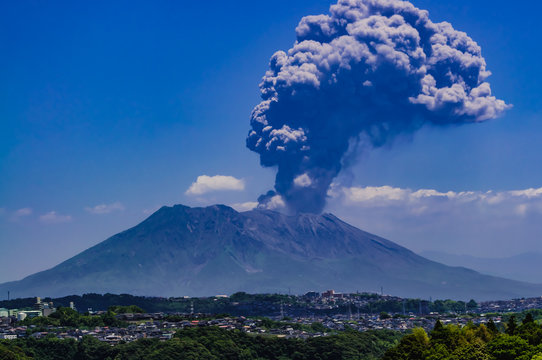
206 251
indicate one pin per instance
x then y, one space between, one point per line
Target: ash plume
368 71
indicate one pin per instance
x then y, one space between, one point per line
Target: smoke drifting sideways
368 71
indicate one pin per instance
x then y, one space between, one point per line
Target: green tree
506 347
437 352
10 352
318 327
511 325
492 327
530 331
119 309
470 352
411 347
471 305
90 348
51 348
109 319
384 315
528 319
449 335
182 349
484 334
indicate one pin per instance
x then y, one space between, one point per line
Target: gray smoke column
366 72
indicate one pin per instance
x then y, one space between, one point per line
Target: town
310 315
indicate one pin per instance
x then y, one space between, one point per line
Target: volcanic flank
206 251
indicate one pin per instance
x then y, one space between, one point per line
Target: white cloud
22 212
303 181
421 201
429 192
529 193
246 206
205 184
482 223
105 208
373 193
52 217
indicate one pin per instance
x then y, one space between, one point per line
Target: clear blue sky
125 104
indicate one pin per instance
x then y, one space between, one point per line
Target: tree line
510 341
207 343
245 304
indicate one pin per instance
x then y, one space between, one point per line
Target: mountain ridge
205 251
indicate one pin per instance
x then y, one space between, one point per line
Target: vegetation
315 327
207 343
70 318
516 341
519 337
242 303
415 305
237 304
133 309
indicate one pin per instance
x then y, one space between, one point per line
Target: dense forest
511 341
207 343
245 304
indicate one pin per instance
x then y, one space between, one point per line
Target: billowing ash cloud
370 70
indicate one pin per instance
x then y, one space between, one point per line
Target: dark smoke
370 70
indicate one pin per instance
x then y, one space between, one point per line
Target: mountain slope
205 251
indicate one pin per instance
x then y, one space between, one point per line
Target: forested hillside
511 341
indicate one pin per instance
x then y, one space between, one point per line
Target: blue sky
108 111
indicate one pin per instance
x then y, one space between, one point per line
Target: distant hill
216 250
522 267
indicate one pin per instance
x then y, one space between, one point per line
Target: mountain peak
180 250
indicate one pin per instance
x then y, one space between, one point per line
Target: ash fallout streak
368 71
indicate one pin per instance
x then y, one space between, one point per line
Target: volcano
184 251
